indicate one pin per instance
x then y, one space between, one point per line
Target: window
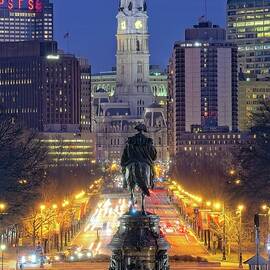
139 67
138 46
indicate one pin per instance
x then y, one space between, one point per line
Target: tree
22 165
204 174
253 158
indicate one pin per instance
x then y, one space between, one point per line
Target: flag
66 35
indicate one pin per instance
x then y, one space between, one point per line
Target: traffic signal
257 221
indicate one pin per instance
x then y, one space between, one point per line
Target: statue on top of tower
132 5
144 6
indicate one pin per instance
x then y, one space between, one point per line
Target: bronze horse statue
138 165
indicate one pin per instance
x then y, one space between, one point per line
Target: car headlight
72 258
79 255
33 258
57 258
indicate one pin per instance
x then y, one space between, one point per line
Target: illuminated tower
133 85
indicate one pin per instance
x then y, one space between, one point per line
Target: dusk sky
92 26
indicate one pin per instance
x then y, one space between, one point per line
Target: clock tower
132 84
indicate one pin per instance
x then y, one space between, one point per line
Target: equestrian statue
138 165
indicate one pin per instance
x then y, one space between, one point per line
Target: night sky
92 26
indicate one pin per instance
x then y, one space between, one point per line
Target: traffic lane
94 235
181 243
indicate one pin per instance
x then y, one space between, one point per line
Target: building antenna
205 9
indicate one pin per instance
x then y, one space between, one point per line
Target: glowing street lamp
208 204
217 206
237 181
265 207
2 207
240 210
2 248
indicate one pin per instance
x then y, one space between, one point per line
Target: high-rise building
132 79
251 94
203 74
24 20
248 25
39 87
86 99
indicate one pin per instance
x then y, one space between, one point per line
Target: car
58 257
182 229
32 260
81 255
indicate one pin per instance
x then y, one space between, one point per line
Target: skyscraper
203 71
39 87
24 20
86 99
248 25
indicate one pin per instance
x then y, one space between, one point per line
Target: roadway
180 237
102 225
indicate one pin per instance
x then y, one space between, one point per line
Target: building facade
251 94
132 57
69 149
210 143
26 20
248 25
158 83
86 98
130 100
39 87
203 87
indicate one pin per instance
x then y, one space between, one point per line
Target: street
103 223
104 266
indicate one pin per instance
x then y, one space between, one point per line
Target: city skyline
92 35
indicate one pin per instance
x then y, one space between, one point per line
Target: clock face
123 25
138 24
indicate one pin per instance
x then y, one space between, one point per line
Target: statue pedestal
138 245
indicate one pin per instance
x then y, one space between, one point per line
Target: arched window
138 45
139 67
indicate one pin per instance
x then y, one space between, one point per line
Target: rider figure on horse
138 164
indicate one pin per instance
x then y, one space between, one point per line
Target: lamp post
42 208
3 248
266 208
218 207
240 210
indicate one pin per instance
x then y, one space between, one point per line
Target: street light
240 210
42 208
3 248
218 206
2 207
267 208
